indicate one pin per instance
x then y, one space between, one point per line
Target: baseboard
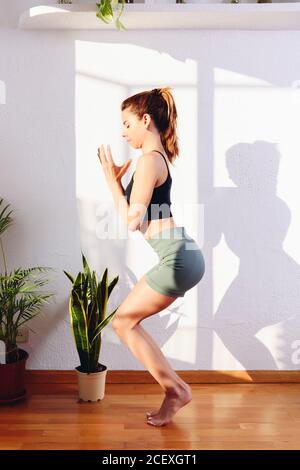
189 376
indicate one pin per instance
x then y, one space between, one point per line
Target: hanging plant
106 10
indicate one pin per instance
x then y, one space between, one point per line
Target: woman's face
134 129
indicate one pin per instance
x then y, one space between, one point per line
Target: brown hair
160 105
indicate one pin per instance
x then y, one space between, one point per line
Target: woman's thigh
141 302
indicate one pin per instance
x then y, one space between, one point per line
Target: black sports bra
160 204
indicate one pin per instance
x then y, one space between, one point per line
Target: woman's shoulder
148 161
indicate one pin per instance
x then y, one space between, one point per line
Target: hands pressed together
112 172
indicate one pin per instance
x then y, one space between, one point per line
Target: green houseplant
106 9
20 301
105 12
87 309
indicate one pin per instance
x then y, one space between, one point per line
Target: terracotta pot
92 385
12 379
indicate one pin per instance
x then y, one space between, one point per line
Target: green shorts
181 263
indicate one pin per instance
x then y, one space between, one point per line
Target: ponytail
169 135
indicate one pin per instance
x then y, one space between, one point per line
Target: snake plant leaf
112 284
103 291
86 267
69 276
81 340
93 307
79 320
103 324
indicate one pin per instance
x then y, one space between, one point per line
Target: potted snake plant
20 301
87 308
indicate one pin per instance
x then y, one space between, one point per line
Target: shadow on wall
255 221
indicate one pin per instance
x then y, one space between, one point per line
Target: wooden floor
220 416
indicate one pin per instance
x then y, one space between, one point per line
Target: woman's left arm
120 200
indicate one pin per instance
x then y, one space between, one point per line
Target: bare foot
173 401
152 413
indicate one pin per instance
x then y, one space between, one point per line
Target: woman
150 121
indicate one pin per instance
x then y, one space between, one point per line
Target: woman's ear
147 120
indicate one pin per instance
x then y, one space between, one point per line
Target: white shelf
241 16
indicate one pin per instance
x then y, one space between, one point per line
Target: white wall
235 186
